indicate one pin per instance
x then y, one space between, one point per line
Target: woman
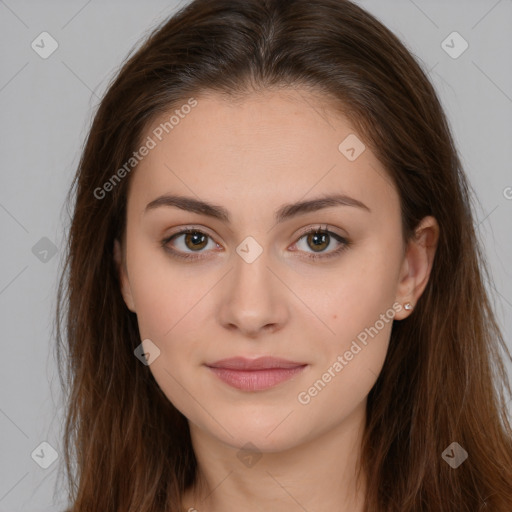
275 295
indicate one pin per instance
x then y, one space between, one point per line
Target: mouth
255 374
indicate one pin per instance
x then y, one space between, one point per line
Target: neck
318 474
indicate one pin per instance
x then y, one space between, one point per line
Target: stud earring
408 306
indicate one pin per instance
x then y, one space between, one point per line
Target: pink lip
261 363
255 374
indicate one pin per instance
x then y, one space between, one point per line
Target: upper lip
261 363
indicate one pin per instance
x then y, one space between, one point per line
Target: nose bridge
252 299
251 270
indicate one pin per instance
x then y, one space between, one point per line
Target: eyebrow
285 212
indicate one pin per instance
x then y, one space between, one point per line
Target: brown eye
188 241
315 242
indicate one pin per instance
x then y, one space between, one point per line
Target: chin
267 438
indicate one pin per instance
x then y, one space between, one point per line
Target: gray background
47 106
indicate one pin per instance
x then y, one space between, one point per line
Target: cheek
358 308
166 294
350 361
168 313
355 296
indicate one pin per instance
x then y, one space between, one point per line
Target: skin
251 157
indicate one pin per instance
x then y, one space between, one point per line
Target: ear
417 264
123 276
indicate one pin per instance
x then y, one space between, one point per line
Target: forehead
269 147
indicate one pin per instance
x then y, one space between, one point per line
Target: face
250 280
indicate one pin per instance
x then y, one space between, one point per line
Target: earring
408 306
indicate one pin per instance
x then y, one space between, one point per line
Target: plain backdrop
47 106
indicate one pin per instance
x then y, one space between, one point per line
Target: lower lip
256 380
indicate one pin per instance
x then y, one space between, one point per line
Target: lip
260 363
255 374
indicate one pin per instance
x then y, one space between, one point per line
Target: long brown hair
126 446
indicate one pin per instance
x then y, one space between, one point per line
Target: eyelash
345 244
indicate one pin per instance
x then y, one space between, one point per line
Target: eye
183 244
319 238
189 239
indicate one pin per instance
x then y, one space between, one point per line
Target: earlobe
123 277
417 265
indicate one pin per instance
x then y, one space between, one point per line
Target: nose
253 299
